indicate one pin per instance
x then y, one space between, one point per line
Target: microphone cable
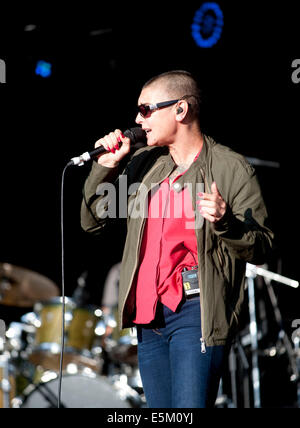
138 137
62 286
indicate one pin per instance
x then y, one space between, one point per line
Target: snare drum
80 325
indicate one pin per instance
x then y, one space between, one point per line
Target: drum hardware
283 344
223 400
133 377
239 382
252 272
19 336
296 340
237 350
253 338
2 335
126 391
245 365
245 338
7 384
43 389
7 381
33 345
122 346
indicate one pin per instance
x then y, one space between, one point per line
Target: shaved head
178 84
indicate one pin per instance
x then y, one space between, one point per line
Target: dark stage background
249 103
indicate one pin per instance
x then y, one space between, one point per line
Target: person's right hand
115 153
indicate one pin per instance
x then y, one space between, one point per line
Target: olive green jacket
224 248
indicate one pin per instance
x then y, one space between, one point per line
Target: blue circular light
43 69
208 25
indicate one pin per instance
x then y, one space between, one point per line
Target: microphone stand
251 273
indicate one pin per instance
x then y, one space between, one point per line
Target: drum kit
99 365
99 368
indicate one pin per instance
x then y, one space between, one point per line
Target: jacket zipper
202 339
160 246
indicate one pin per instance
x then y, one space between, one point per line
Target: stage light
43 69
30 27
100 32
208 25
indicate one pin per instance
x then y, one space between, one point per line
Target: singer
182 273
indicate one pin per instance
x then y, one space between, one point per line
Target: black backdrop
249 103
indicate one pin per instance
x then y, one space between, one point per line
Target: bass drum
78 391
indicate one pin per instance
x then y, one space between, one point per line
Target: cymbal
22 287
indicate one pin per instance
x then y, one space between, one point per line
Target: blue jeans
174 371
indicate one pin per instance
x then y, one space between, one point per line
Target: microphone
137 137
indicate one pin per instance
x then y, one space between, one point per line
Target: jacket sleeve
105 191
244 228
98 198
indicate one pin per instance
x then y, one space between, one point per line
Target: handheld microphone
137 137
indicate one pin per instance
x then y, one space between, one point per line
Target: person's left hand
211 205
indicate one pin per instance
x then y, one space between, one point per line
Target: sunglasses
146 109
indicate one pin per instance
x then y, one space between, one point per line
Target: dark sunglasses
145 109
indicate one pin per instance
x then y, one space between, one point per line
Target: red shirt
169 244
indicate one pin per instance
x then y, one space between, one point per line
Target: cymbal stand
4 365
251 273
283 337
296 341
245 370
46 392
236 359
253 338
2 335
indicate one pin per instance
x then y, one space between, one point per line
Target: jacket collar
167 164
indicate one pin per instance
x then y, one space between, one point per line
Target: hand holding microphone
116 146
113 147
